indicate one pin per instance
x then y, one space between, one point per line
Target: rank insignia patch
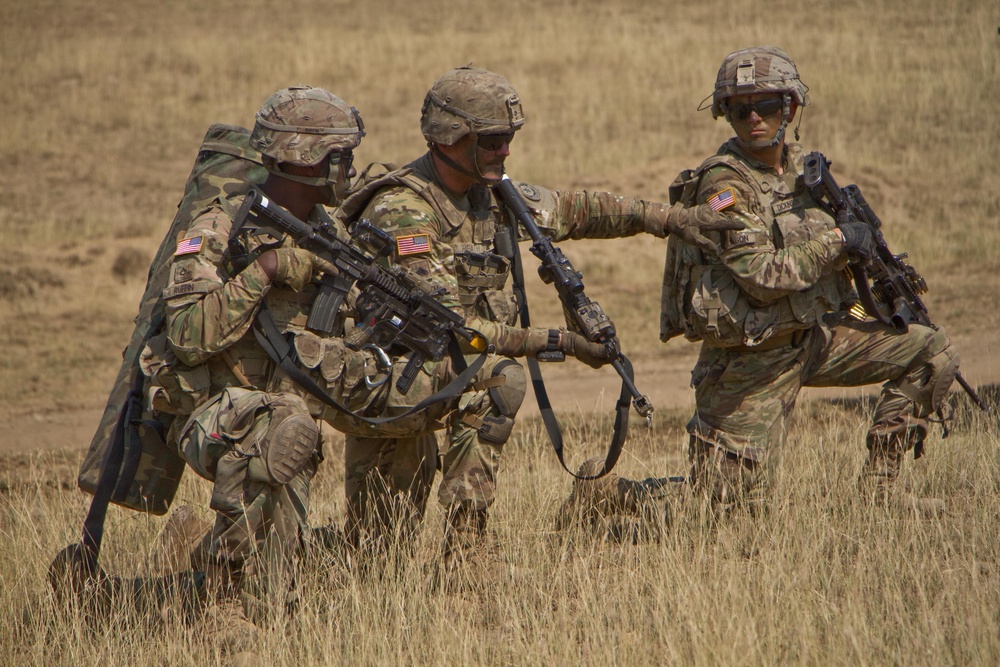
189 246
722 200
412 245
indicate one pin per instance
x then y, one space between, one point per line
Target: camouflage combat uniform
242 423
451 243
772 310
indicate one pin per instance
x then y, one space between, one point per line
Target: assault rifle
888 287
397 312
588 316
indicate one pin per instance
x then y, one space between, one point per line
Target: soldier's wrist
656 220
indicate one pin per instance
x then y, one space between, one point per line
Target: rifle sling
278 349
542 396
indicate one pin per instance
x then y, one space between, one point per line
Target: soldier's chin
492 172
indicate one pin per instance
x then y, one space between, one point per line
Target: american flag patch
722 200
413 245
189 246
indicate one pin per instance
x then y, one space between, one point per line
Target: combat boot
730 482
469 558
79 581
225 622
180 543
877 482
618 509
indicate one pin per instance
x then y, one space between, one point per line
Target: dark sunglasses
764 108
345 158
494 142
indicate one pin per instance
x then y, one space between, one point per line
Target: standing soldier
451 230
772 307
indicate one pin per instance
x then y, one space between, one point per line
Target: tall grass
821 579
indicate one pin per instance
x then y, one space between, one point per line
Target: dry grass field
105 104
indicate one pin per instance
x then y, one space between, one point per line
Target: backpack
150 470
697 300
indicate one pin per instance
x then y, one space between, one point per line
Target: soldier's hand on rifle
858 239
594 355
294 267
689 224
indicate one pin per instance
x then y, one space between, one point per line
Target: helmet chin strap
330 183
476 175
762 144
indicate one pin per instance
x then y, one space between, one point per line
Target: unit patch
413 244
530 192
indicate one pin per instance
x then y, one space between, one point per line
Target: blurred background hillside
106 103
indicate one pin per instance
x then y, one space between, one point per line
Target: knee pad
944 368
292 438
509 393
495 429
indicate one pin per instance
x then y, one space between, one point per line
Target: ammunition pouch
174 388
720 312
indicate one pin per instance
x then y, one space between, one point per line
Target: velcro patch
722 200
737 238
189 246
414 244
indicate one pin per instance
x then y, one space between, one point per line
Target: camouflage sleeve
765 272
422 249
205 311
587 215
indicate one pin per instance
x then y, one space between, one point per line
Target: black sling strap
542 396
277 347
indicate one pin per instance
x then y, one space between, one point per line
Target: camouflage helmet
301 125
759 69
468 100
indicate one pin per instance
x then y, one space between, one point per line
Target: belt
788 339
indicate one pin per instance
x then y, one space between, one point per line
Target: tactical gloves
858 239
296 267
688 223
594 355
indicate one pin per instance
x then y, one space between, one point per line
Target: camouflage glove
296 267
858 240
594 355
689 224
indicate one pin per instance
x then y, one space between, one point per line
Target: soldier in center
450 229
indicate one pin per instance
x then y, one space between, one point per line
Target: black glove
857 236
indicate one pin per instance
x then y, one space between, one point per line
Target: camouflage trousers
260 450
389 471
743 396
